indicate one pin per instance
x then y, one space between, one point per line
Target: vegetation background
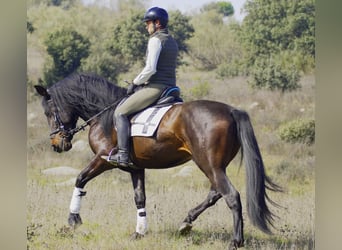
264 64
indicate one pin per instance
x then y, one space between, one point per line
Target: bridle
57 120
69 133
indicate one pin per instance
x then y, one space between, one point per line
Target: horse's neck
85 115
80 113
85 111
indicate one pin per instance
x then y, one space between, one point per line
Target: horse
207 132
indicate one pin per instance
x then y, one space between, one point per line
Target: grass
108 209
109 216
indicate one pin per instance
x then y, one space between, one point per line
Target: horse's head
61 122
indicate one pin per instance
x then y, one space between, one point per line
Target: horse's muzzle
60 143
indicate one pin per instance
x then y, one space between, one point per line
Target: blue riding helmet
156 13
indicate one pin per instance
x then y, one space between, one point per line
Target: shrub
67 48
214 42
232 69
300 130
196 92
275 73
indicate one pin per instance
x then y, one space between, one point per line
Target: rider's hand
130 89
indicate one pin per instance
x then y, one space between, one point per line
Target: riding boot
121 158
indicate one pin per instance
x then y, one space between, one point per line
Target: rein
86 123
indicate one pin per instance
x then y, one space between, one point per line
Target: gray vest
166 66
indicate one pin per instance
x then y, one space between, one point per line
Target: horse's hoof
136 236
185 228
74 220
234 244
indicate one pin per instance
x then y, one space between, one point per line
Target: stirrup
117 162
116 159
118 165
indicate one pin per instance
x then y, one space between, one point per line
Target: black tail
257 180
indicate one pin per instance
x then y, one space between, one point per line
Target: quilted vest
166 66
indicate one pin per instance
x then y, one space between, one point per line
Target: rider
158 74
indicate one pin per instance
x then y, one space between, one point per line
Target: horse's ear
42 91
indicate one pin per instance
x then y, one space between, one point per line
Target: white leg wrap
141 221
75 204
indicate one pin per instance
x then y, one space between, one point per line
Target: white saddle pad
146 122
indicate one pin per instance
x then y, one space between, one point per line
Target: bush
67 48
232 69
275 73
104 64
300 130
198 91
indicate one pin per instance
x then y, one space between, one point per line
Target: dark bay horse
210 133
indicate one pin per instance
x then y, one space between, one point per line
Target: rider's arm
154 47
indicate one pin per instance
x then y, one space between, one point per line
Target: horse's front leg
138 181
94 168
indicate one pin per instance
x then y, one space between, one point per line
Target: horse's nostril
56 149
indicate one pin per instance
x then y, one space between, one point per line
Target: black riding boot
121 158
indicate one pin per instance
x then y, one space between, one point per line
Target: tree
181 29
276 29
129 38
224 8
301 24
214 43
67 48
273 26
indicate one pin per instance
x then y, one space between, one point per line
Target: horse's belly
149 154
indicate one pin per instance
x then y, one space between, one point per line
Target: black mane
87 94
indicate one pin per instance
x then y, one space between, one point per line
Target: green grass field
108 210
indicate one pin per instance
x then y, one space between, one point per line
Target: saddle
169 95
146 122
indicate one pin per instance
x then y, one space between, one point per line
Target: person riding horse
158 74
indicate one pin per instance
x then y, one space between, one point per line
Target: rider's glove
130 89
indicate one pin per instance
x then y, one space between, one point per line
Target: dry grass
108 209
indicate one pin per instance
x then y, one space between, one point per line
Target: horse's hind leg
211 199
232 198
